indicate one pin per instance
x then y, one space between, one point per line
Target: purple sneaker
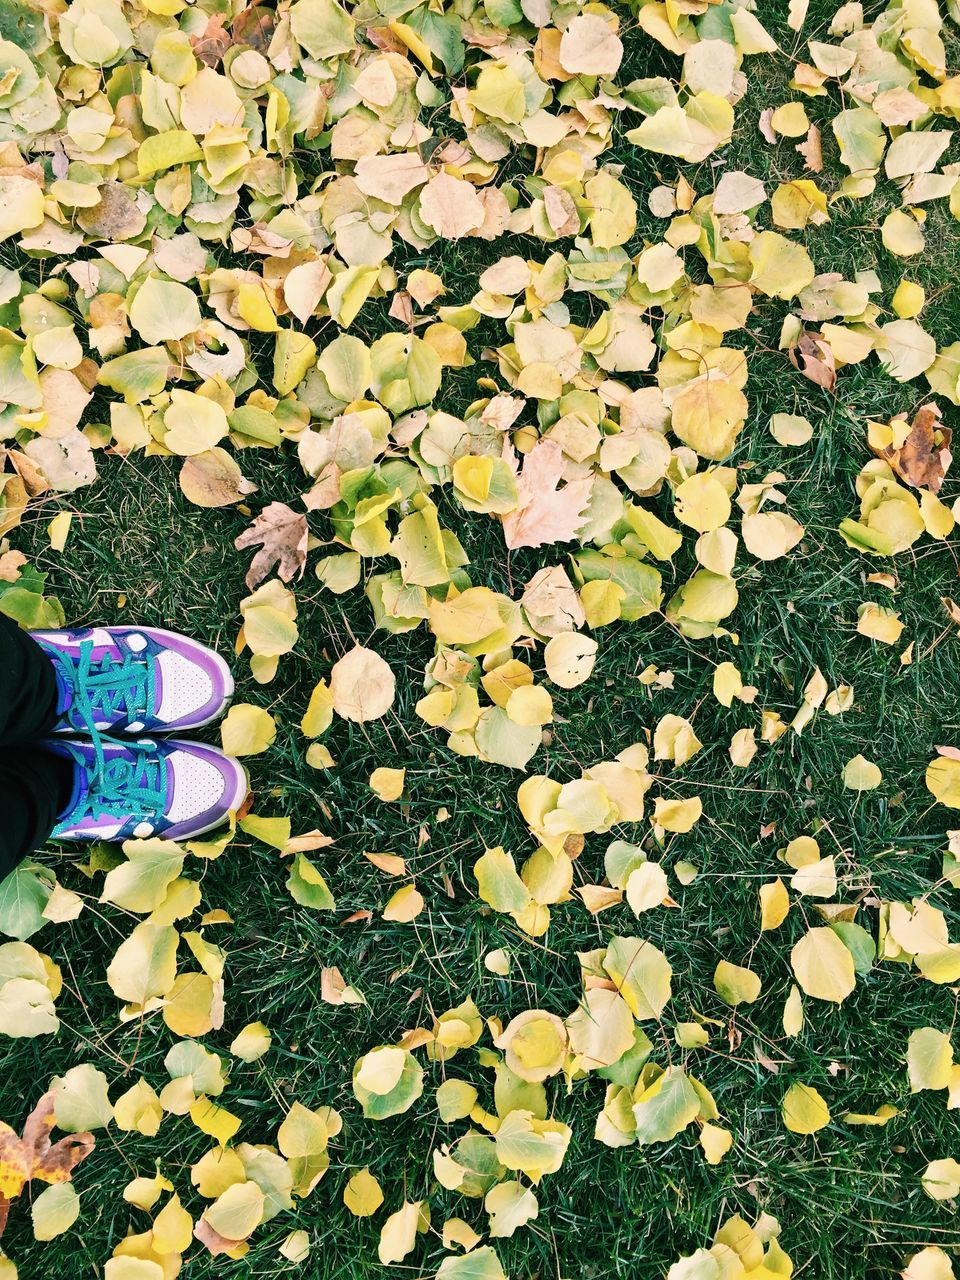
135 680
145 788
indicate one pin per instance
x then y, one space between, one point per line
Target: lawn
849 1199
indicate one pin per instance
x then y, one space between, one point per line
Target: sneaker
145 788
135 680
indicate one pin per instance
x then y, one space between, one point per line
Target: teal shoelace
121 787
106 690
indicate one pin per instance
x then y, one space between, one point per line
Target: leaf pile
210 213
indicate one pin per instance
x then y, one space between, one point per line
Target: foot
135 680
163 788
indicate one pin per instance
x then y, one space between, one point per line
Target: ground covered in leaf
550 405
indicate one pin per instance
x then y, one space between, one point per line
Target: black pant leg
35 787
28 687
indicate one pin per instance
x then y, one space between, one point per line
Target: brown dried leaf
384 39
814 358
924 457
812 150
401 307
115 217
213 479
214 42
53 1162
255 26
334 988
14 1163
282 534
561 211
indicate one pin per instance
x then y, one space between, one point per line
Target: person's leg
35 788
28 688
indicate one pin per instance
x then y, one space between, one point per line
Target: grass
849 1200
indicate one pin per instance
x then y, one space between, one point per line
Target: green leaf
80 1099
322 27
23 896
308 887
478 1264
165 150
663 1112
55 1210
137 375
140 884
400 1098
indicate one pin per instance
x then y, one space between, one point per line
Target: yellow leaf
930 1263
362 1194
250 1044
878 623
943 781
247 730
296 1247
387 784
901 235
399 1232
883 1115
679 816
58 530
793 1013
716 1142
823 966
303 1132
318 716
405 905
860 774
908 300
145 965
54 1210
708 414
165 150
647 887
139 1109
172 1228
743 747
569 658
929 1059
132 1268
774 904
362 685
804 1109
534 1045
941 1179
735 984
236 1213
781 267
790 120
216 1122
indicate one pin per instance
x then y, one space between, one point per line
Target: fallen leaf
282 535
